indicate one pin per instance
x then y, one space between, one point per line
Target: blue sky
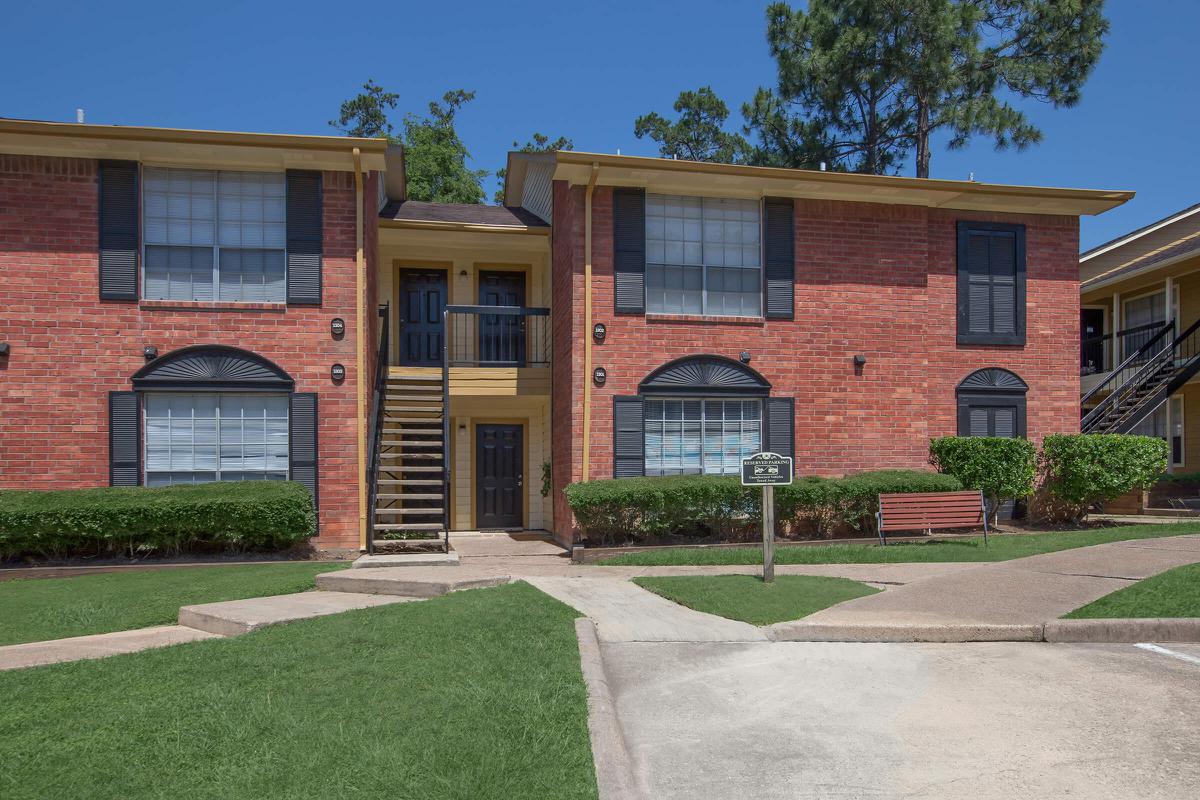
584 70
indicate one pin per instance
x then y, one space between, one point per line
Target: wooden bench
929 510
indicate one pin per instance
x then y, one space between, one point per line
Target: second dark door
499 476
502 336
1091 328
422 303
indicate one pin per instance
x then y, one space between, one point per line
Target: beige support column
1116 342
360 353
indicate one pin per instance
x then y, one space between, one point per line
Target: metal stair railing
375 434
1182 353
1132 363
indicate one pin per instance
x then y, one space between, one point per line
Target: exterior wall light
599 376
338 373
599 332
859 360
745 357
4 348
337 326
150 353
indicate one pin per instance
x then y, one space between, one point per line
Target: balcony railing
1097 353
497 336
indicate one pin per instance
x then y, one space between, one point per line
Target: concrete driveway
841 720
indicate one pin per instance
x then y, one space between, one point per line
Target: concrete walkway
625 612
101 645
1008 598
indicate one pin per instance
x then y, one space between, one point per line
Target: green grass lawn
54 608
473 695
747 598
1174 593
1001 547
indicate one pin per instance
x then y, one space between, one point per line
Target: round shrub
1080 470
1002 468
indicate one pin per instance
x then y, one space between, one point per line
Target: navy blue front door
499 476
502 336
422 303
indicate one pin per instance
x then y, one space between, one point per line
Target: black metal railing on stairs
1097 353
1133 362
375 431
1155 377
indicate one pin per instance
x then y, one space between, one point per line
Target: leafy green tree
540 143
699 133
867 82
435 158
366 114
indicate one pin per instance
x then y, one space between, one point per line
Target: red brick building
191 306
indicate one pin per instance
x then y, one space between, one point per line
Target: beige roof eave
179 147
669 176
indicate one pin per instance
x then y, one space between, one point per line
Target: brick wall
69 349
871 279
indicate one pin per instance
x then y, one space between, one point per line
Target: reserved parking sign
766 469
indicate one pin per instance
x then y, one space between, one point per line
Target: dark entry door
502 336
498 476
422 301
1091 353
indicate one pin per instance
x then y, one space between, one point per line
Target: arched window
212 413
991 402
698 415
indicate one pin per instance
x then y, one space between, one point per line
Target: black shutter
991 283
304 243
629 251
302 441
779 257
780 426
991 415
118 230
629 449
124 439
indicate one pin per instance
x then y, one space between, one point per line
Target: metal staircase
408 488
1141 383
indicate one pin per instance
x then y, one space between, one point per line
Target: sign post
767 470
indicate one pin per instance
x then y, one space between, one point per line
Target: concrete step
417 456
402 581
423 512
407 526
402 468
423 445
412 496
234 617
408 482
407 560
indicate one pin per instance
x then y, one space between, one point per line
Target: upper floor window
703 256
214 235
991 283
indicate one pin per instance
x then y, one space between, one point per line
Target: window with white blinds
214 235
195 438
700 436
703 256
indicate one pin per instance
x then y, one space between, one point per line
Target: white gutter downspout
360 281
587 320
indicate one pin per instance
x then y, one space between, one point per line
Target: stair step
417 512
408 443
408 482
410 526
421 430
432 496
410 409
413 398
402 468
416 456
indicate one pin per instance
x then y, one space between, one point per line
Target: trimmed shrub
1080 470
232 515
1003 468
708 507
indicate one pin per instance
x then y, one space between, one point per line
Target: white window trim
702 399
704 267
216 247
287 470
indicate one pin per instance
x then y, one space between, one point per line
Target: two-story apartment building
1139 348
187 306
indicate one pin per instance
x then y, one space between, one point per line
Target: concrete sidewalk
1005 600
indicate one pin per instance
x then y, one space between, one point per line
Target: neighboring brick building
185 306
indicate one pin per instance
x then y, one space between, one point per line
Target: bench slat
930 510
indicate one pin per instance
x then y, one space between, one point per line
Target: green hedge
236 515
1080 470
704 506
1003 468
